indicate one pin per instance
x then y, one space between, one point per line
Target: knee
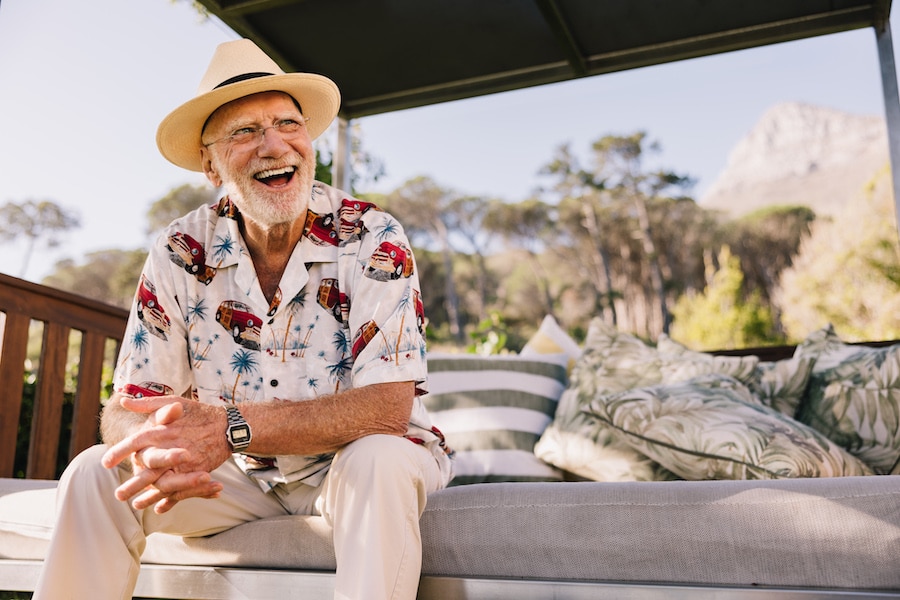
86 461
86 475
378 456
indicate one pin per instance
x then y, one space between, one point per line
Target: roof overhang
388 55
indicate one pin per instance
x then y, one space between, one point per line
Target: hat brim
178 136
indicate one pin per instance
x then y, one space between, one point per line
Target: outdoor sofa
521 520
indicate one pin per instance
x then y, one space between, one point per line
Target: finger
168 503
171 488
118 452
135 443
152 494
148 404
124 449
147 498
161 458
211 490
142 479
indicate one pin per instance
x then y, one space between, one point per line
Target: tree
178 202
846 272
423 207
582 210
525 225
466 217
723 316
33 220
766 241
619 166
620 205
365 167
109 276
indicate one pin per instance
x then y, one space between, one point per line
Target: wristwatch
238 432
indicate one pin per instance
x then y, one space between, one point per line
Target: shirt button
274 383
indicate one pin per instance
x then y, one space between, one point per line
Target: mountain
800 154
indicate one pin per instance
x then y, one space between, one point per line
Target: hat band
243 77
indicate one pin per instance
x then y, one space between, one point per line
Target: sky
85 84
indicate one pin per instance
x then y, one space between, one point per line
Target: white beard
272 208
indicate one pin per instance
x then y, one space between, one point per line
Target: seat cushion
27 509
277 542
836 532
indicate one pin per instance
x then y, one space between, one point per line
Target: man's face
268 175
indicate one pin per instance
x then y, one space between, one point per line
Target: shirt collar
318 244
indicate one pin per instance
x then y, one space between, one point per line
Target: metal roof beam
243 7
239 24
563 33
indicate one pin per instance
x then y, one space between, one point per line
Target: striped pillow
493 409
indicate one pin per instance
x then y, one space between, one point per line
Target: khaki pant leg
373 497
97 541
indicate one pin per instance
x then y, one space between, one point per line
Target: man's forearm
329 423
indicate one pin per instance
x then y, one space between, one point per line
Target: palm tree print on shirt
243 362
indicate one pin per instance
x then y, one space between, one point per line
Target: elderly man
272 363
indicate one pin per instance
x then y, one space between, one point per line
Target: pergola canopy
387 55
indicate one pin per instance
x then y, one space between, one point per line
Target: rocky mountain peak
800 154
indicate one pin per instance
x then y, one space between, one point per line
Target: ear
208 169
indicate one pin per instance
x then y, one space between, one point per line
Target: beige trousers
375 491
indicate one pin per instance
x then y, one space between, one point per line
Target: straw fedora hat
238 69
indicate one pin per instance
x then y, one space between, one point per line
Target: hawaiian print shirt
348 313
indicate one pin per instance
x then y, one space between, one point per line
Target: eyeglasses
245 136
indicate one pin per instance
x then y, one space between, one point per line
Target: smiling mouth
276 177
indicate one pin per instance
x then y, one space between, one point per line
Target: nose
272 143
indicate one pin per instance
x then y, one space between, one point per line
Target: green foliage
846 272
109 276
323 168
722 316
489 337
766 241
365 168
177 203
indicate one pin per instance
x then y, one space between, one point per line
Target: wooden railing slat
12 382
85 420
47 417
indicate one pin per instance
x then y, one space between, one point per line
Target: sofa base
227 583
793 538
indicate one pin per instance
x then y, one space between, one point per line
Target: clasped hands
173 452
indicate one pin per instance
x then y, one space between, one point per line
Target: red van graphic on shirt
149 311
320 229
189 254
244 326
391 260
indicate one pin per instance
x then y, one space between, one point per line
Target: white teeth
274 172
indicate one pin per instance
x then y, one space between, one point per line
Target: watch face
240 434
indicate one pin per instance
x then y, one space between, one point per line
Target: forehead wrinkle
236 122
